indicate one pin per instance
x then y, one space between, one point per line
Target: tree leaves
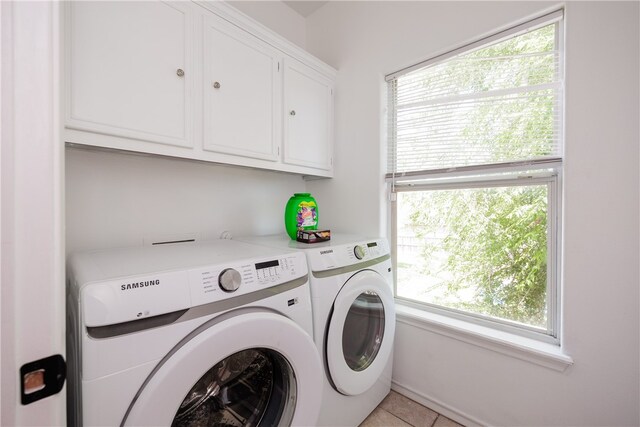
493 243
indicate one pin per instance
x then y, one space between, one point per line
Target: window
474 168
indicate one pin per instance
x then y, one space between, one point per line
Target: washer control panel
229 280
139 296
217 283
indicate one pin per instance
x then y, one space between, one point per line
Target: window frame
552 178
520 173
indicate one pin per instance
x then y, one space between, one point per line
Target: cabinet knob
292 112
216 85
180 72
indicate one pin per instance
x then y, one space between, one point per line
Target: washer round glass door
253 369
360 335
248 388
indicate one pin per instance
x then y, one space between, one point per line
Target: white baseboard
435 404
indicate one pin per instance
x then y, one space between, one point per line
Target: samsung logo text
139 285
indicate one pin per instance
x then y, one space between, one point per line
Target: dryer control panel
331 257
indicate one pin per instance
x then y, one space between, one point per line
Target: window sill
527 349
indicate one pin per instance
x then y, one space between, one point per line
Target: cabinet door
129 70
242 92
308 99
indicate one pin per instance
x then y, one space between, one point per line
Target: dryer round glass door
360 333
250 369
363 331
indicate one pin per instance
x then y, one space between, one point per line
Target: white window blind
493 102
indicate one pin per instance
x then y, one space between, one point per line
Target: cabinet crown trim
254 27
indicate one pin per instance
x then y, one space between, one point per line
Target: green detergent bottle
301 213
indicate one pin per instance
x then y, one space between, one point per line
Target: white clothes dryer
354 321
214 333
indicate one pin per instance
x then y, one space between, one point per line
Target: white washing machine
354 321
214 333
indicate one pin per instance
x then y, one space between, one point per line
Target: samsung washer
191 334
354 321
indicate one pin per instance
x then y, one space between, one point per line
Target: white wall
277 16
365 41
115 199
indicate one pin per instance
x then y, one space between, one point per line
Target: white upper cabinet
129 70
308 121
242 92
196 80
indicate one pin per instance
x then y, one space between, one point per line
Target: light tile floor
399 411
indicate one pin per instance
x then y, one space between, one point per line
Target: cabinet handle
180 72
292 112
216 85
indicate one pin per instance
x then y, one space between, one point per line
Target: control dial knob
359 251
229 280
